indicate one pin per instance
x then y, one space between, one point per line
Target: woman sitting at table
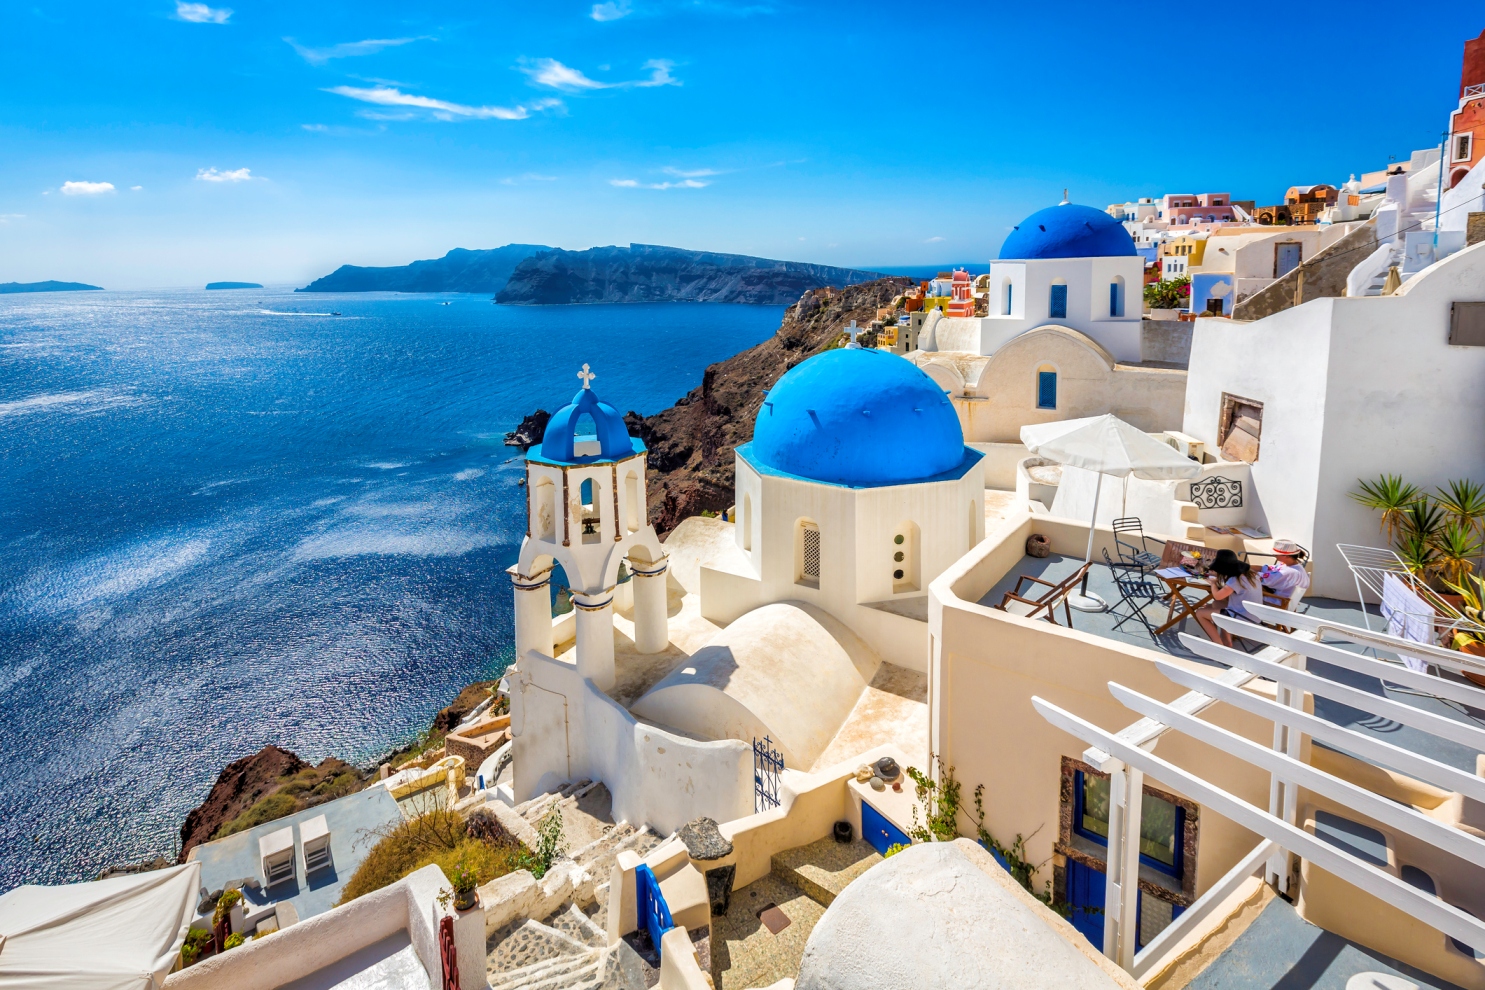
1286 577
1234 586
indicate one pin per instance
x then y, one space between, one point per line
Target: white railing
1476 89
1124 755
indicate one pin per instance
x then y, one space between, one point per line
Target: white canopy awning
1108 445
123 933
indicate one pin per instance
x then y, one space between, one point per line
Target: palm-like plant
1422 519
1455 544
1391 496
1464 500
1417 553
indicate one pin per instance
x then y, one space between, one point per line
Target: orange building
1467 124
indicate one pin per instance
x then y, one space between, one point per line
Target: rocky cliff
649 273
460 270
690 444
269 784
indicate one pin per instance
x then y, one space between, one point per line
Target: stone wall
1167 341
1474 228
1322 276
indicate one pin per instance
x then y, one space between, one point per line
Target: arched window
587 493
585 426
807 553
1116 297
905 553
1057 301
1006 307
747 522
1046 387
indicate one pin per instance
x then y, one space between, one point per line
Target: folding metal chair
1131 552
1135 593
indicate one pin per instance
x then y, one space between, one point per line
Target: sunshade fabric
1108 445
118 934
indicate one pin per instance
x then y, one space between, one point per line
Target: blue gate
652 911
768 764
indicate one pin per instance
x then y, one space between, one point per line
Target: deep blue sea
229 519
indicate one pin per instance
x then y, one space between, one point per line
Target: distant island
233 285
652 273
461 270
49 286
531 274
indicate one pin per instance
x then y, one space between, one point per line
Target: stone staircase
567 951
823 868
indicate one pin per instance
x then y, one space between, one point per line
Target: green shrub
233 941
197 939
276 805
438 838
225 904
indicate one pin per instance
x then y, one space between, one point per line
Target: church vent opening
544 510
807 553
747 522
1057 301
631 502
905 563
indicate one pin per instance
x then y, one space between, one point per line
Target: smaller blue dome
1068 231
609 430
856 417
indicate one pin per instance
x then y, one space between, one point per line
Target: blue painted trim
879 832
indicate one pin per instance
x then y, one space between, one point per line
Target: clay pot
843 831
1037 546
465 899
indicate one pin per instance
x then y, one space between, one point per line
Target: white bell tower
585 510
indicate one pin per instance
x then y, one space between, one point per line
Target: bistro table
1178 586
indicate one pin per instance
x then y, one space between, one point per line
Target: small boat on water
335 313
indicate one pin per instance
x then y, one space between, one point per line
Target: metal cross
587 377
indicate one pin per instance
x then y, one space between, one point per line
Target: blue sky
275 141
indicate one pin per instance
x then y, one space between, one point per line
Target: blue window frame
1009 292
1057 307
587 491
1162 824
1046 390
1116 305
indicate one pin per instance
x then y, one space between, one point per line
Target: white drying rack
1370 567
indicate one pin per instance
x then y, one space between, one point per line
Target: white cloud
612 10
215 175
636 184
5 218
349 49
200 13
86 188
390 96
135 188
698 173
553 74
933 240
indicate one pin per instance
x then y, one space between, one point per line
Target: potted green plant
464 894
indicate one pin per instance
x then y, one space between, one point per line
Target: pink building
1181 209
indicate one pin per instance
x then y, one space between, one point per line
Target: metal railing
768 765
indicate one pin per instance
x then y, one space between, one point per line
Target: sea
236 518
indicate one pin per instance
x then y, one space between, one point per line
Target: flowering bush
1172 293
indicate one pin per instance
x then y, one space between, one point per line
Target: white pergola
1126 756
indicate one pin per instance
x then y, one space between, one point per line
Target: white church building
805 623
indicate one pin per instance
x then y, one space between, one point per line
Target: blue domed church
1070 266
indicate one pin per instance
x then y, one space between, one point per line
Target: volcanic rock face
246 784
460 270
690 444
649 273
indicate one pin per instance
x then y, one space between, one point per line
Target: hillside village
1111 619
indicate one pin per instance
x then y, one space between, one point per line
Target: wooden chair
1047 602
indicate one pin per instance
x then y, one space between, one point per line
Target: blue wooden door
1085 889
1286 260
881 833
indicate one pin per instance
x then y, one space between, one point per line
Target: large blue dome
1068 231
858 417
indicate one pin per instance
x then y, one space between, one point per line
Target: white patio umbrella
1106 445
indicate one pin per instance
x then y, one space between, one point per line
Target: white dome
933 917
